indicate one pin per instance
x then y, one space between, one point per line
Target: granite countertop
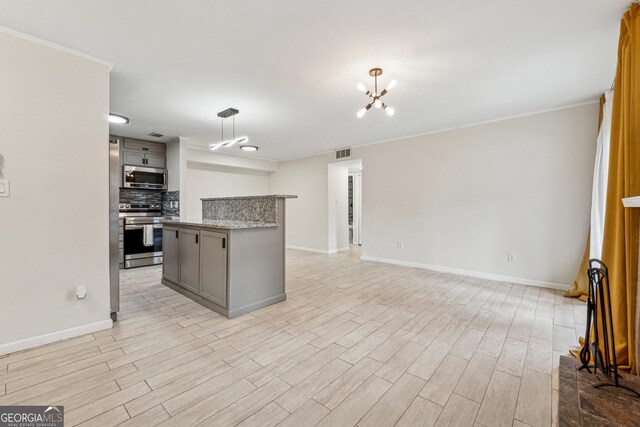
222 224
268 196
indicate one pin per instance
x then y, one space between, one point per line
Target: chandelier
376 102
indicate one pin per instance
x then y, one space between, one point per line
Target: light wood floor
356 343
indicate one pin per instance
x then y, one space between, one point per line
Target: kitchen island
233 260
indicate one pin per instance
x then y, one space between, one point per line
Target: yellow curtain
580 286
620 248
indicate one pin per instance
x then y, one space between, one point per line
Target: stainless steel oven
142 235
144 177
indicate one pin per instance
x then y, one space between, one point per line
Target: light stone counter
220 224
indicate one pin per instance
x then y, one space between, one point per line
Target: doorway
345 205
355 207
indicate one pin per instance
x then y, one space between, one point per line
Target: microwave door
146 178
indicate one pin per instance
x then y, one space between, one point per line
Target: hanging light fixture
229 112
376 102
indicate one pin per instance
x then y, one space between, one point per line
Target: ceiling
291 66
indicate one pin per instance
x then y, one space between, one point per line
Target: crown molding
55 46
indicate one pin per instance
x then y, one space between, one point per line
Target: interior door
170 254
189 244
213 267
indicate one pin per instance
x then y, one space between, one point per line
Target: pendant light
229 112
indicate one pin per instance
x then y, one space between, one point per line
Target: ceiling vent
344 153
156 135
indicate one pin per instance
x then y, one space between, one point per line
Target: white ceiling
291 66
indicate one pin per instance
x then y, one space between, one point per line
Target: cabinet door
134 158
170 254
213 267
137 144
155 161
189 270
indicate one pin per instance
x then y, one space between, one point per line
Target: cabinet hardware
196 239
145 148
176 234
224 243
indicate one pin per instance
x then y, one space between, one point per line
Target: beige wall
306 216
173 165
463 199
204 173
204 180
54 227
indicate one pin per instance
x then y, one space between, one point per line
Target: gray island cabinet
233 260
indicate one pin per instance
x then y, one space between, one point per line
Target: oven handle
140 227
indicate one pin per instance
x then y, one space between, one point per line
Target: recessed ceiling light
118 119
249 148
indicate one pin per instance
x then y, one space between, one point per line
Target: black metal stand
604 355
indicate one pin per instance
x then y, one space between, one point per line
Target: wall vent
156 135
344 153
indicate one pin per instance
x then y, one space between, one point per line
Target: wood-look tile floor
356 343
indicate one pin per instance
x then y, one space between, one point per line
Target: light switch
4 188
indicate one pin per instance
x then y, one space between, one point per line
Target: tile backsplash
171 203
140 196
169 200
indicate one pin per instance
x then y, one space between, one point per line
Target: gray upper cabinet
148 146
171 253
189 259
155 161
141 158
213 268
136 152
134 158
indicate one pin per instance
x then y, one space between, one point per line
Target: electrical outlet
400 245
511 257
81 292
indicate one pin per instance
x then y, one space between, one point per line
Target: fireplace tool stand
602 349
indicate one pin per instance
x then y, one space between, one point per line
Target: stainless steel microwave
144 177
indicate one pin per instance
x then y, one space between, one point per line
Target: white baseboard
470 273
64 334
319 251
301 248
335 251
